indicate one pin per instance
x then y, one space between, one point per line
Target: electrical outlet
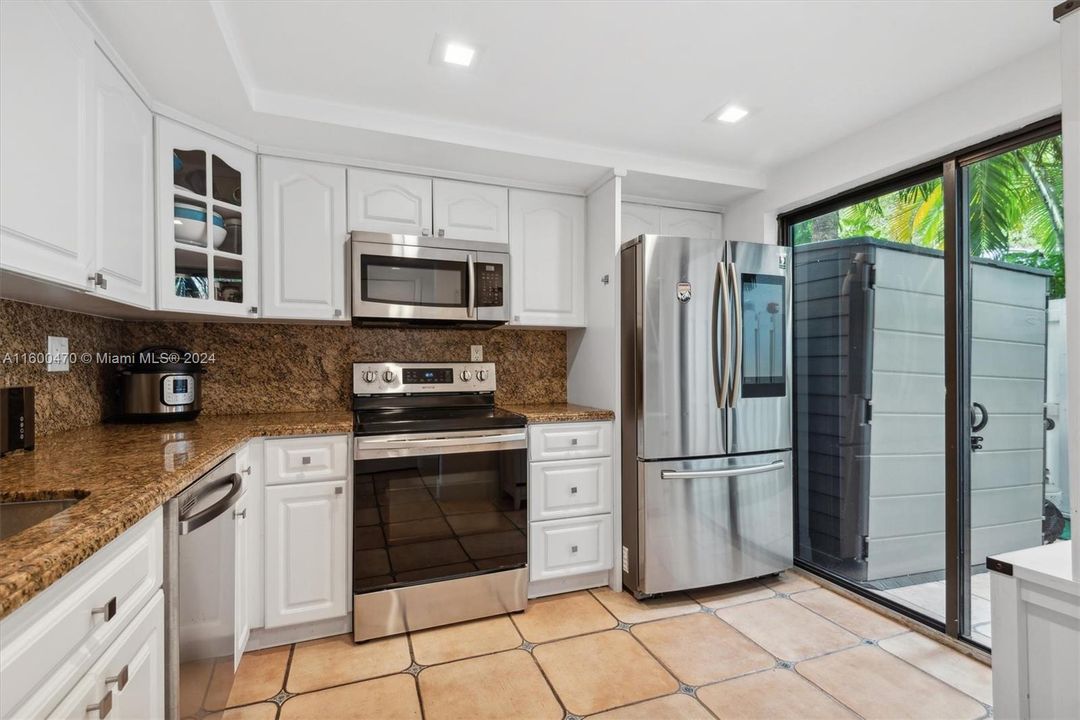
625 559
56 351
476 353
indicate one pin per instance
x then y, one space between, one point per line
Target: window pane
870 395
912 216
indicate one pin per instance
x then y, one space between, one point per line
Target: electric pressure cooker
160 384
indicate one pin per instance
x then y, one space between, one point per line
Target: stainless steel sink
17 516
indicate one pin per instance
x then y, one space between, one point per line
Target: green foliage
1015 212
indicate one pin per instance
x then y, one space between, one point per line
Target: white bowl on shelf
189 225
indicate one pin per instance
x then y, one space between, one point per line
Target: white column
1070 122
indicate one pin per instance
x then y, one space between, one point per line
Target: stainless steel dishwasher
202 648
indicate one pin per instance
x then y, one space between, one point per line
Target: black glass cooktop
419 420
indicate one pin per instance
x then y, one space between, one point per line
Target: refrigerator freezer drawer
712 521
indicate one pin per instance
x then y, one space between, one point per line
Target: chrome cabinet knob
370 375
573 490
466 376
103 707
388 376
108 610
237 515
120 678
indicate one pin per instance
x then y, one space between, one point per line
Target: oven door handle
441 441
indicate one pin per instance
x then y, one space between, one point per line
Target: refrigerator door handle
726 472
736 377
719 328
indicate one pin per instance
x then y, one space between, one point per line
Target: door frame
957 289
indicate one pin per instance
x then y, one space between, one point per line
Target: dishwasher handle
726 472
191 523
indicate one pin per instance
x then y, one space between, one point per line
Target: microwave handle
472 285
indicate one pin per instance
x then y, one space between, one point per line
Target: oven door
437 506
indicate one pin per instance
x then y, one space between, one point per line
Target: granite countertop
122 473
560 412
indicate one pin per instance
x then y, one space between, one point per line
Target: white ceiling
580 85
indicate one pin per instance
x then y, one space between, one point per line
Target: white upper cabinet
389 202
46 158
690 223
470 211
639 220
303 239
123 209
547 259
207 226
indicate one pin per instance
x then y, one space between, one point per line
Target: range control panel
420 378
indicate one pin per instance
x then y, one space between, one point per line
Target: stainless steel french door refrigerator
706 412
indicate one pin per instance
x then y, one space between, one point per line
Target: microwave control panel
489 285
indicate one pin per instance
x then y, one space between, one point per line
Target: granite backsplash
259 367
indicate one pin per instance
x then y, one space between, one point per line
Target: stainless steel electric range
440 475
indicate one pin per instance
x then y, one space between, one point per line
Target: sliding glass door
1016 486
870 395
930 378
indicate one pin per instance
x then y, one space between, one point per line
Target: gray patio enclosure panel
870 406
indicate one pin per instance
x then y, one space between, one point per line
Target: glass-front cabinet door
207 232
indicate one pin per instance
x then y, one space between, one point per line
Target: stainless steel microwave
413 280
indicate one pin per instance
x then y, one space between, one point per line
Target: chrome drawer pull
573 548
120 678
247 470
573 490
573 441
305 460
339 490
103 708
240 513
108 610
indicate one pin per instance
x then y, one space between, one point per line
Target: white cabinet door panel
470 211
46 160
690 223
639 220
123 189
303 239
389 202
547 259
306 553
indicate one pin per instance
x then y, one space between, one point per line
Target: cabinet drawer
137 661
564 441
52 640
569 488
573 546
306 459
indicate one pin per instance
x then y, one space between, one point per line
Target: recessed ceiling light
458 54
730 113
455 52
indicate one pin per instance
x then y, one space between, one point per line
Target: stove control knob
388 376
481 375
466 375
370 375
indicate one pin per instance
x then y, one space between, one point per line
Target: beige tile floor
779 648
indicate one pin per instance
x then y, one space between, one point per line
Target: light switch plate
57 354
476 353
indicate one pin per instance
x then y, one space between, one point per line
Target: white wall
1002 100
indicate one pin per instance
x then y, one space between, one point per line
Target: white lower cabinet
571 537
571 546
61 648
241 581
306 552
128 680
